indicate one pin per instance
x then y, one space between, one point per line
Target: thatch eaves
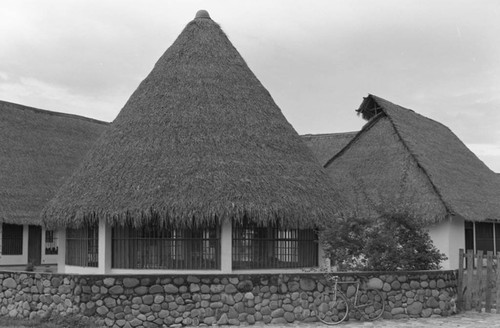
39 149
326 145
433 166
199 141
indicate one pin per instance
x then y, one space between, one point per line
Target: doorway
35 245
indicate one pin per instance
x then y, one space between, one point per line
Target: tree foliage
389 243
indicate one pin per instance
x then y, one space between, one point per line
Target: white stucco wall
449 236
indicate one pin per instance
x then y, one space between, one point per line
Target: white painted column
42 246
1 239
61 258
25 243
226 246
104 245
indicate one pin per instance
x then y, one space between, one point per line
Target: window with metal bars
82 246
12 239
165 247
256 247
484 236
51 246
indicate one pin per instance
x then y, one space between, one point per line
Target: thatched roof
200 140
403 161
39 149
325 146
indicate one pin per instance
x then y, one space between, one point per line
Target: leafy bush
388 243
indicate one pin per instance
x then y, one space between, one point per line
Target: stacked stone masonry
187 300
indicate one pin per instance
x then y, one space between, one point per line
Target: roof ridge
49 112
365 127
408 148
328 134
411 110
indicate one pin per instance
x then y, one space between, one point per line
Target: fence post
489 274
479 287
460 285
470 279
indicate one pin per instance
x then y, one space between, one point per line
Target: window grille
51 245
12 239
256 247
156 247
82 246
482 236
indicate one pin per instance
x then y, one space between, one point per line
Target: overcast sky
317 58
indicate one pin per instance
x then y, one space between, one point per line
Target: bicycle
333 307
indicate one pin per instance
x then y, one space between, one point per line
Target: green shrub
388 243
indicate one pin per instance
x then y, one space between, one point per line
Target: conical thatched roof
403 161
38 151
326 145
200 140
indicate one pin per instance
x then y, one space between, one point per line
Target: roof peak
199 139
202 14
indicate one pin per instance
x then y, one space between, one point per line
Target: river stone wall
158 300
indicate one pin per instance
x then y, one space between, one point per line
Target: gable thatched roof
38 150
325 146
418 163
200 140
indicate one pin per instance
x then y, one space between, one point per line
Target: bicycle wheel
371 304
332 308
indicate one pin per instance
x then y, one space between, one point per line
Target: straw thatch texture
325 146
38 150
441 175
379 176
200 140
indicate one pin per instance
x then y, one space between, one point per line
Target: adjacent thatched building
199 171
325 146
403 162
39 150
